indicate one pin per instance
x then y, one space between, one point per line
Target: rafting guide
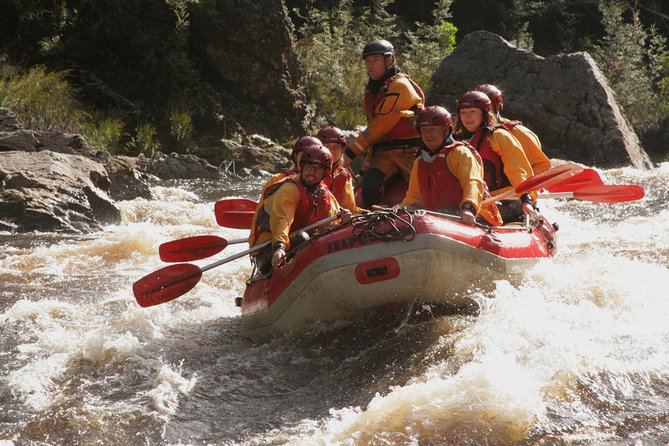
390 139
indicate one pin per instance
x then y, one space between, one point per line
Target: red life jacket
313 206
440 189
493 168
337 183
404 128
509 125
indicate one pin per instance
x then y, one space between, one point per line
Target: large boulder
34 141
248 49
256 152
564 98
53 192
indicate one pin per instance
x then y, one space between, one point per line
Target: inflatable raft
385 258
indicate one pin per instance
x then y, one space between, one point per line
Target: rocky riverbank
56 182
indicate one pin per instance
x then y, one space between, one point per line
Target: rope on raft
386 225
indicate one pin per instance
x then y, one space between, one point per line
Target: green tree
41 99
330 53
631 57
428 45
330 47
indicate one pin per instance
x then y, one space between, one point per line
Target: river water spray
576 353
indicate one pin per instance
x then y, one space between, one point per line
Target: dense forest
125 75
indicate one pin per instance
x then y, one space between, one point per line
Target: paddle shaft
548 178
234 257
542 195
262 245
557 195
614 193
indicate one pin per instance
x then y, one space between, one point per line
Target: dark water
577 353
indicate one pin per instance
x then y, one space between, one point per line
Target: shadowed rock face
564 98
250 52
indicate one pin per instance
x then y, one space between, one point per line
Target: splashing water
575 353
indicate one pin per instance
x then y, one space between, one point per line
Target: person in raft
292 204
340 182
504 162
296 155
390 139
448 174
527 138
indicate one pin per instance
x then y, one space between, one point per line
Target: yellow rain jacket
464 165
531 145
501 146
283 205
275 179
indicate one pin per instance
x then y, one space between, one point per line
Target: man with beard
292 204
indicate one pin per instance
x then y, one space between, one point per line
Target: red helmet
317 155
494 94
331 134
303 143
475 99
434 115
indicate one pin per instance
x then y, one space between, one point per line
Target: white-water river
577 354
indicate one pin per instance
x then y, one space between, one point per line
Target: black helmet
378 47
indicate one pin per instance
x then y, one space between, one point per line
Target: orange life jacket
493 168
404 128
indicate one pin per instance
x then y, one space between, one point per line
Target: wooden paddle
604 193
542 180
194 248
176 280
235 213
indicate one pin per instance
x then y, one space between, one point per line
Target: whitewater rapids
576 353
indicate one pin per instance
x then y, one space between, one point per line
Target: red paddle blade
235 219
610 193
548 178
166 284
191 248
235 213
587 177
